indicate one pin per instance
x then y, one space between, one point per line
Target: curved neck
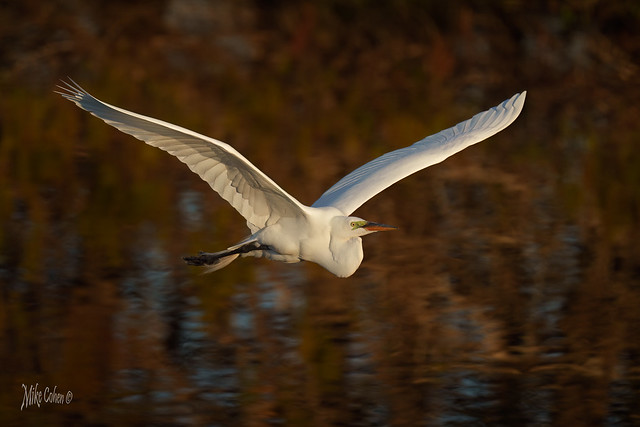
347 256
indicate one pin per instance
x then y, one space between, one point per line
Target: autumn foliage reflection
509 297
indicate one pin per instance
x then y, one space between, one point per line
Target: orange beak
374 226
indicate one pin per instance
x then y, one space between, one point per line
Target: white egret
282 228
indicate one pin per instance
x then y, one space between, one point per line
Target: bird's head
344 253
356 227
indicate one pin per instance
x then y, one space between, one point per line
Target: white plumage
282 228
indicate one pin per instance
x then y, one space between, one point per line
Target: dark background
509 296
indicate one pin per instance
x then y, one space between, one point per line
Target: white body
319 236
282 228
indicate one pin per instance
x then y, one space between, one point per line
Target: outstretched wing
252 193
356 188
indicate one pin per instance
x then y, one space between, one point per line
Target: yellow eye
354 225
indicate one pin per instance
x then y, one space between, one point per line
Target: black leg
206 258
202 259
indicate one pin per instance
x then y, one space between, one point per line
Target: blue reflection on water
190 205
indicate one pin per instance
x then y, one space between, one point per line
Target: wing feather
252 193
362 184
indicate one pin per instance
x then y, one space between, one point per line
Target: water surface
509 295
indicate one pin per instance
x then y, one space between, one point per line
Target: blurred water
464 326
509 296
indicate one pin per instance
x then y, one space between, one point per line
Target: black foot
207 258
202 258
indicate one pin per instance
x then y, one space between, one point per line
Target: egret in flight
282 228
